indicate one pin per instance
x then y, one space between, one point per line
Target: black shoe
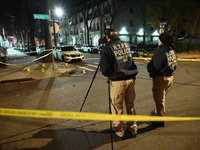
133 135
117 137
158 124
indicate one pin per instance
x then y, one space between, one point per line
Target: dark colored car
137 52
101 48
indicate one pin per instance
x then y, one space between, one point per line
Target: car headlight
67 55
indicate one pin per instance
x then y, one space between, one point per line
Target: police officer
161 69
117 64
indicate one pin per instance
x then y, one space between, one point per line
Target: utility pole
48 37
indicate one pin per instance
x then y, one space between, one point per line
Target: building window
98 27
131 9
89 17
131 23
107 9
81 19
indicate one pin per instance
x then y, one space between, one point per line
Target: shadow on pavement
76 138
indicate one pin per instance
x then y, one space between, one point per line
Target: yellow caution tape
179 59
86 116
147 58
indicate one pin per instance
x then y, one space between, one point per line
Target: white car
40 50
68 53
89 49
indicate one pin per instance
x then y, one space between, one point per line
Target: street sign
41 16
57 28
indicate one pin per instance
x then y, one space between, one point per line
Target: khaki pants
123 91
160 88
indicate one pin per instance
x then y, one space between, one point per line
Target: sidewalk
191 55
185 55
21 67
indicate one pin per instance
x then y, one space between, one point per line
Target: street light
63 22
58 13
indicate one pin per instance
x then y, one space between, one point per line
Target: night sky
9 5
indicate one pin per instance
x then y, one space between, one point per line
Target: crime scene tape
86 116
179 59
148 58
42 50
32 60
4 63
182 59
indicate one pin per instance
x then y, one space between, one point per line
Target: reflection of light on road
91 65
85 68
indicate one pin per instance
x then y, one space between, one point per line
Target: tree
182 18
140 7
23 22
65 27
176 14
48 39
113 9
89 12
192 19
6 21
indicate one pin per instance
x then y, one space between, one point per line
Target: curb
14 81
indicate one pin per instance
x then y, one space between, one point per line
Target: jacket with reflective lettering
116 61
163 62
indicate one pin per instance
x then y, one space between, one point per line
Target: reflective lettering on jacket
172 59
122 51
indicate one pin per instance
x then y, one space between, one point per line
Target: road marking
85 68
86 116
91 65
90 58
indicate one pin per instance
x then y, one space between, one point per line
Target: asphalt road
67 94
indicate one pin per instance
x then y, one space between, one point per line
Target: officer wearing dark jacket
161 69
117 64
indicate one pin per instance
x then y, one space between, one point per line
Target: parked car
68 53
3 56
78 47
101 48
137 52
40 50
150 47
89 48
32 50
